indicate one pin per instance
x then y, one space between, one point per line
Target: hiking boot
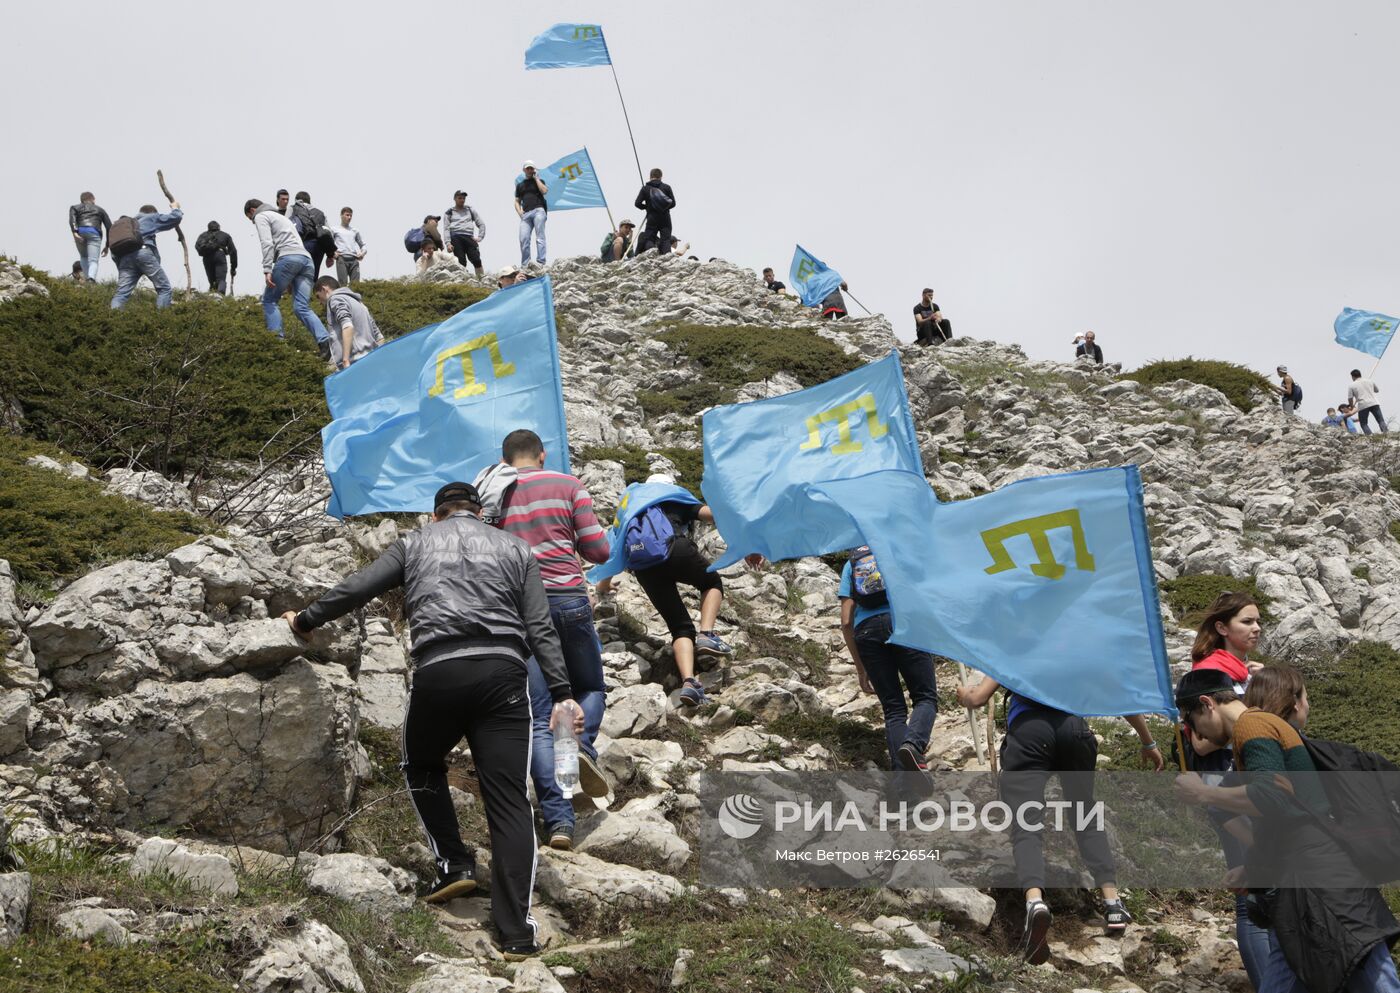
1035 949
590 777
709 643
324 348
561 837
692 693
519 951
1115 918
452 885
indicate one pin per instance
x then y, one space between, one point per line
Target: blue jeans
292 271
532 220
90 252
130 269
1256 943
573 619
1374 974
885 664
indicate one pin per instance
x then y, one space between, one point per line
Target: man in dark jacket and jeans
477 610
657 199
220 257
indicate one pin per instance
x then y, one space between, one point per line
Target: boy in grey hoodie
354 333
286 265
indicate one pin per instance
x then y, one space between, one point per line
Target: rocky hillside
196 801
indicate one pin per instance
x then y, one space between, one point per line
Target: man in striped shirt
553 514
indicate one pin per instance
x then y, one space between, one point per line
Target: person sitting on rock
1085 347
1347 410
1041 740
773 285
684 564
617 245
1333 419
509 276
930 326
866 624
477 610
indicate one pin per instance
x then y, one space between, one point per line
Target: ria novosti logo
740 816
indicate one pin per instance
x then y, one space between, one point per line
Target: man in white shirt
349 249
1362 394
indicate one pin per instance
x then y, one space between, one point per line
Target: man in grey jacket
354 333
465 229
476 610
286 265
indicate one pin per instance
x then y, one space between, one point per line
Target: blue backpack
648 539
867 585
414 240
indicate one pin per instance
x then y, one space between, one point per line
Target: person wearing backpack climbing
466 230
144 258
866 625
89 224
1041 740
652 539
1324 939
315 235
354 332
1362 395
553 513
1290 393
286 264
533 211
658 200
617 245
477 610
220 257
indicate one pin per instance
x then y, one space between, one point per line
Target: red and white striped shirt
554 514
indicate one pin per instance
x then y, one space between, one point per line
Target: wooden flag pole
1180 747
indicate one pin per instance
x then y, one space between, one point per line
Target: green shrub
43 962
1190 597
1238 383
733 356
1395 530
53 528
689 399
399 306
689 463
1356 699
1362 572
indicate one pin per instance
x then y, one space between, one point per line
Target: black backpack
124 237
1365 809
309 221
658 200
205 244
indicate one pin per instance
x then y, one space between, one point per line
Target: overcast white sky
1183 178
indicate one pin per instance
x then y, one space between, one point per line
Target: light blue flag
572 183
761 457
567 45
1364 330
433 406
635 499
812 278
1046 584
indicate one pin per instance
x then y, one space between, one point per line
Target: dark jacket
656 218
212 243
470 590
1083 349
88 215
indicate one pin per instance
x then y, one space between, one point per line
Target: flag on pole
1364 330
762 457
565 46
635 499
572 183
434 405
812 278
1046 584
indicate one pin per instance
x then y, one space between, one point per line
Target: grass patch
851 742
53 528
1394 530
689 462
1356 698
734 356
1241 385
1362 572
1190 597
764 643
47 964
688 399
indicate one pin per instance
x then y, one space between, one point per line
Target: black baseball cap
459 193
432 217
1201 682
456 491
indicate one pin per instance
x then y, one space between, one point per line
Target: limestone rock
635 710
458 976
644 835
932 959
205 872
575 880
383 678
16 889
89 923
314 959
533 976
150 487
370 884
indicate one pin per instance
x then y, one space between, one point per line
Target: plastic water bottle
566 752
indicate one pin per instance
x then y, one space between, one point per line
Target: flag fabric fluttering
635 499
565 46
1045 584
812 278
433 406
572 183
761 457
1364 330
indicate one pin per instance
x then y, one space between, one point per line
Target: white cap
662 477
509 270
529 164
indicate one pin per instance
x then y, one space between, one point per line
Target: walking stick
184 247
972 719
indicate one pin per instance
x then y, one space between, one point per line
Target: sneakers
324 349
1034 948
692 694
1115 918
561 837
709 643
452 885
590 777
520 951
